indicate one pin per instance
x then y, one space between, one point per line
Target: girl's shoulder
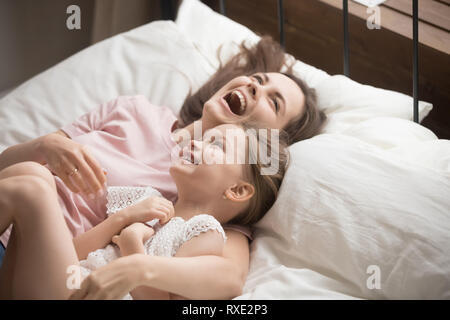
202 223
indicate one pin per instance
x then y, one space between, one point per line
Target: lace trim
199 224
120 197
202 223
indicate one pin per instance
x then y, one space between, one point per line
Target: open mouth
236 102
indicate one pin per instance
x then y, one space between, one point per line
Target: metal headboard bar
223 8
346 37
416 60
167 10
281 23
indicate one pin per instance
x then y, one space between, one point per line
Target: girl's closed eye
217 142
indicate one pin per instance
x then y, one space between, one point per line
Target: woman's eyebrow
277 94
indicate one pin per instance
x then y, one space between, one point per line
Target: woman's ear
240 192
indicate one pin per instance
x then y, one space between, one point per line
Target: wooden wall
381 58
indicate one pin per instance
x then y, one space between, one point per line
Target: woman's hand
149 209
73 163
112 281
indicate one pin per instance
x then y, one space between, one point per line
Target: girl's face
213 170
270 99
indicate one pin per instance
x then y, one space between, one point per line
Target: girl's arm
100 235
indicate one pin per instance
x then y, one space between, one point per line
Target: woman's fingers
63 170
69 183
85 178
96 168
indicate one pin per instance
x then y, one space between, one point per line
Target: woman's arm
201 277
27 151
61 154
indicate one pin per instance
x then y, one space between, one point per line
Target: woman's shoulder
143 104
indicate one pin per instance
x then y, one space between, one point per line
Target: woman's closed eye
274 101
258 78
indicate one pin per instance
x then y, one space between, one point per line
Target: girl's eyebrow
277 94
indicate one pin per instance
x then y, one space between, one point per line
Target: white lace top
167 238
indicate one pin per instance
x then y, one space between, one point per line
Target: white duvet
364 210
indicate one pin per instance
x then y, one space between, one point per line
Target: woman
131 139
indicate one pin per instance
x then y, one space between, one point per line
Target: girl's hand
73 163
112 281
149 209
132 238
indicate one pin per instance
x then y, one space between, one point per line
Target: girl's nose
195 145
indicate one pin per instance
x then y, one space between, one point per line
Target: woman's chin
215 114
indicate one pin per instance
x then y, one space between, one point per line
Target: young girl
210 192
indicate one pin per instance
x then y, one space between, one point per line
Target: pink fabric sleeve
96 118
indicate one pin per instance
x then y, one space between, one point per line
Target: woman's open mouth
236 102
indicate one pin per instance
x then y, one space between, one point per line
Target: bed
364 210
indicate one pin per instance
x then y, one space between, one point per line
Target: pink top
131 139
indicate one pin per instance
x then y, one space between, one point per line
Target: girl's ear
243 191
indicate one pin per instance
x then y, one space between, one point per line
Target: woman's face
271 99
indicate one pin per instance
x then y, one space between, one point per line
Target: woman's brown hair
266 56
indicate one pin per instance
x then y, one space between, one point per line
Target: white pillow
155 60
347 102
344 206
336 93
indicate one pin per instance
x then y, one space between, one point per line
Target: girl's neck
187 210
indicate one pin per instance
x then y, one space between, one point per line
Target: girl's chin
180 169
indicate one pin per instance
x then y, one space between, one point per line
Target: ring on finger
73 172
